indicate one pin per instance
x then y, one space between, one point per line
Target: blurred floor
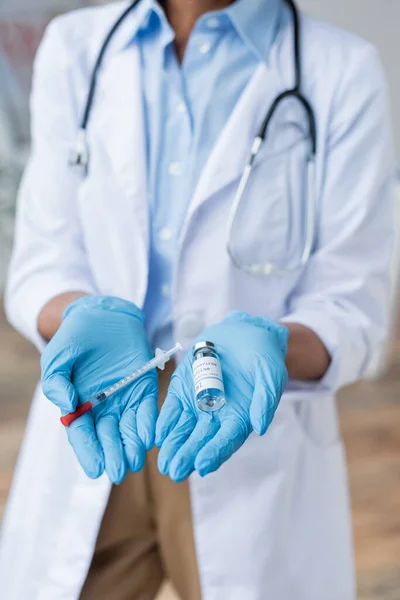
370 417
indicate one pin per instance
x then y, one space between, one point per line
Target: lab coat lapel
118 149
120 120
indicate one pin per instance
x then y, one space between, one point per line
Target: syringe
161 357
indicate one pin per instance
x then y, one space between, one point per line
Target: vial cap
201 345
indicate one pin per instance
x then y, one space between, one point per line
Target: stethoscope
80 153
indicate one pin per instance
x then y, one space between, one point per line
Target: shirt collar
128 29
151 14
257 22
145 17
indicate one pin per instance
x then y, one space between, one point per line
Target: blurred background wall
21 27
377 21
369 411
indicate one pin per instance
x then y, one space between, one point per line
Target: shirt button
204 48
213 22
166 290
181 107
174 168
165 234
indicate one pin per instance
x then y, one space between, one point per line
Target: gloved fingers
226 442
58 389
135 451
169 416
263 405
175 439
83 439
182 465
108 433
146 417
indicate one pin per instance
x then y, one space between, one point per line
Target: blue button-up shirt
186 107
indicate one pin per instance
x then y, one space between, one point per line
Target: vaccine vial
207 375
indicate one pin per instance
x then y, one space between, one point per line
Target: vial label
207 374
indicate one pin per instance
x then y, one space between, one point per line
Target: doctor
127 249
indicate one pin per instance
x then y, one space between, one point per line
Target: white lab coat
273 522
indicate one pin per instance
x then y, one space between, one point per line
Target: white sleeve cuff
23 311
347 360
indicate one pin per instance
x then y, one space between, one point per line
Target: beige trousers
146 536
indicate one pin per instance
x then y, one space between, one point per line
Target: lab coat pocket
316 421
321 512
270 224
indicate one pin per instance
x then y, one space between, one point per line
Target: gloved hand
252 352
101 340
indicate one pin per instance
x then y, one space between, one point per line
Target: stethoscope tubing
80 155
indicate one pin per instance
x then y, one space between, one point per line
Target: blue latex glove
252 352
100 341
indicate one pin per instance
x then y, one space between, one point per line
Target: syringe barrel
161 357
